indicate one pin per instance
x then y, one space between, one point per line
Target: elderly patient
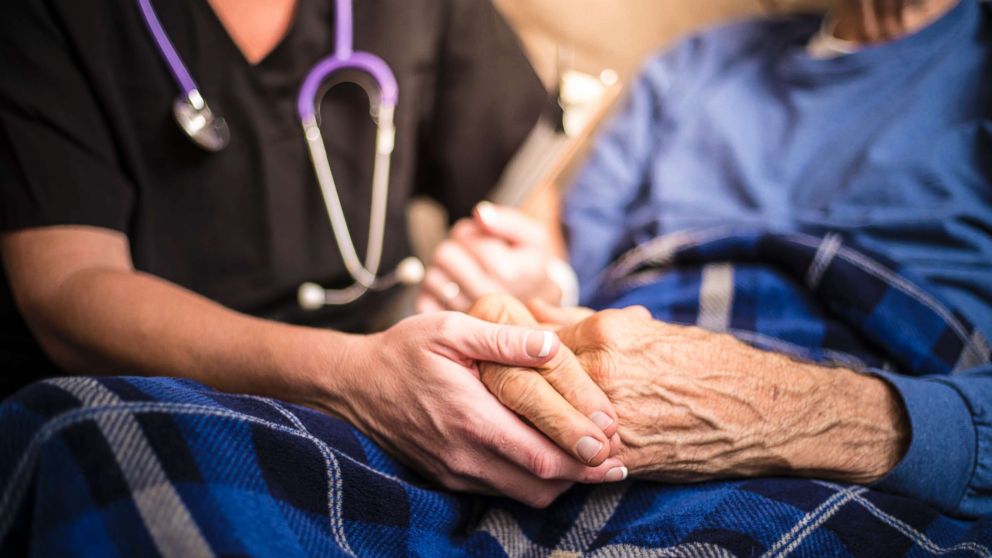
760 174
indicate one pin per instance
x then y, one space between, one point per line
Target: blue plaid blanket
142 467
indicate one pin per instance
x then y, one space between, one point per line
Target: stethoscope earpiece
312 296
411 271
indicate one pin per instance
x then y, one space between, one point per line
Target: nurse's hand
498 250
416 391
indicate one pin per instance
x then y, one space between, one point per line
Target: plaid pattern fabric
145 467
816 298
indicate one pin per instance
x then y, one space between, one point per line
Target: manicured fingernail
588 447
601 419
538 343
485 211
616 474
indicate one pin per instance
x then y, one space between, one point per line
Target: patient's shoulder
743 38
713 51
758 31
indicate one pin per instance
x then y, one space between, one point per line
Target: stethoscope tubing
210 132
363 274
184 80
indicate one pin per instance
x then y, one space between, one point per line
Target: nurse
129 249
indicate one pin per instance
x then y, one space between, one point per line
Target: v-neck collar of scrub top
277 76
277 49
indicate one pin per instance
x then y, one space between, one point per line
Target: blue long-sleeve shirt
892 146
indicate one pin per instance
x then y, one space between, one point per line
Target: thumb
509 224
504 344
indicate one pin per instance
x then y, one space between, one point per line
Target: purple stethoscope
210 132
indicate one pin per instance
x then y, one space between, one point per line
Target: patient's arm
695 405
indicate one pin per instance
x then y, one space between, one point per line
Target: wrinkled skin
424 403
559 399
694 405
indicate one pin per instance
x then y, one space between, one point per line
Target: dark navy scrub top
87 137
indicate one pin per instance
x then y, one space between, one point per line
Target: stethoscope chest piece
196 119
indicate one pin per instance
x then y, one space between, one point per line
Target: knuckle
461 466
615 317
412 323
492 257
445 252
538 234
461 418
463 228
490 307
543 465
515 389
503 267
638 312
434 278
436 470
505 342
541 499
600 367
505 274
493 437
452 482
598 328
448 324
607 327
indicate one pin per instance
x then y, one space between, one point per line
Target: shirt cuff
938 466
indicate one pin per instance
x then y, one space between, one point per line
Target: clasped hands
617 394
681 404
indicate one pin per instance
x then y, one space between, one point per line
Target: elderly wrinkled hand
695 405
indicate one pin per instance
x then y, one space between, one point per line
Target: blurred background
586 52
619 34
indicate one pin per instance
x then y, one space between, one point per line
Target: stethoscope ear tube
382 103
410 271
332 203
312 296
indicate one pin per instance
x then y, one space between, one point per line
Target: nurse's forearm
118 322
94 314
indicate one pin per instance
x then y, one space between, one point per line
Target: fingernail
588 447
616 474
601 419
485 211
539 345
